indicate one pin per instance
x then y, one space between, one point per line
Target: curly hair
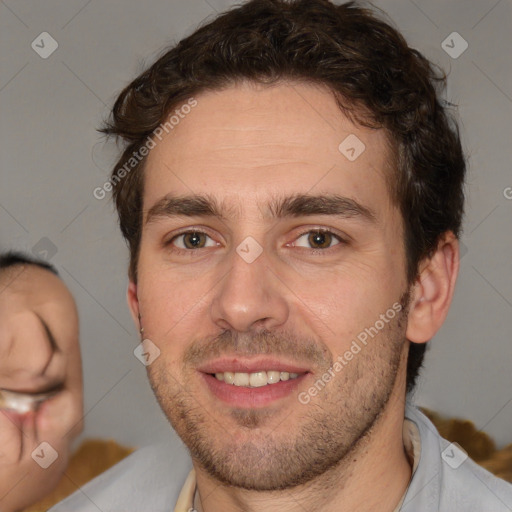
377 80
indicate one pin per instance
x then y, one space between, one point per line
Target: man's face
39 351
211 306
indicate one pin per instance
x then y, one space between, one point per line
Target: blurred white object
23 402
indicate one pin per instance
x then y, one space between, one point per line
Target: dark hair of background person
11 258
377 80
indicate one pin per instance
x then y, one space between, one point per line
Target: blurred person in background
41 401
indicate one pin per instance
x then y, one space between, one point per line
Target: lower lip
16 418
249 398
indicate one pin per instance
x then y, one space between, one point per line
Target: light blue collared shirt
150 480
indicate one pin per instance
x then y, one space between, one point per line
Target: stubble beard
326 433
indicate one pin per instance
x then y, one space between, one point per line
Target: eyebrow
296 205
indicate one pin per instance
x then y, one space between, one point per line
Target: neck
372 477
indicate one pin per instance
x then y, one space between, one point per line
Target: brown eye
193 240
319 239
190 240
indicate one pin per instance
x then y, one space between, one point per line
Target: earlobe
133 303
433 290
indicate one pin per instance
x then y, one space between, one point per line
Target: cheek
343 304
172 311
166 302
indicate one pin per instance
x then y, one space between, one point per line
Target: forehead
31 286
252 138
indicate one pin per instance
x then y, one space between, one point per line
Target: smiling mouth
247 382
255 379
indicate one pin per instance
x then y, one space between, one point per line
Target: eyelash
315 251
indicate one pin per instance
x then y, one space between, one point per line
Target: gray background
52 159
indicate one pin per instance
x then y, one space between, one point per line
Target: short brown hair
377 79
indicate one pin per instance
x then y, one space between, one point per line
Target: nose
250 296
26 348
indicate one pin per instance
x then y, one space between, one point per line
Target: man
39 354
291 193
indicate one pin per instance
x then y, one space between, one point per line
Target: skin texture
30 363
244 146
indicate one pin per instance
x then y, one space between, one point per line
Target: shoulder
446 479
148 479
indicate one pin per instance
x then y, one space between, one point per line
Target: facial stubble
252 450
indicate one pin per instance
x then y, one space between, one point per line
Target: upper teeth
255 379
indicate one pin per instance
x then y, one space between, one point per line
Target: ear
433 290
133 303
